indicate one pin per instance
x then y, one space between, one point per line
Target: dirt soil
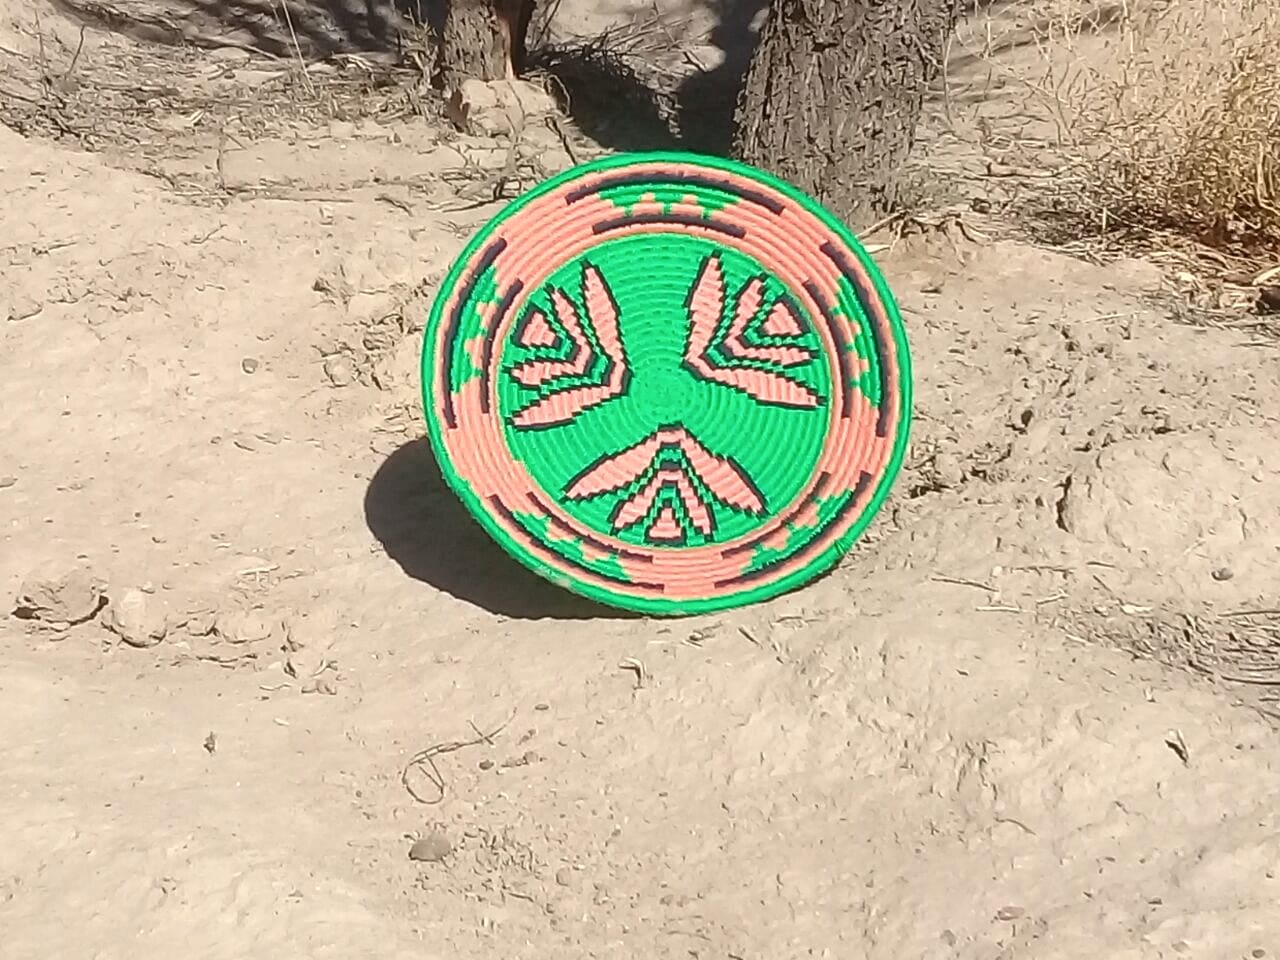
258 654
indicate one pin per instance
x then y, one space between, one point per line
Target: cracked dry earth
211 413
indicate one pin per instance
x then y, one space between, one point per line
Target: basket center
665 390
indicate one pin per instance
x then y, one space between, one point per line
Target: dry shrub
1181 128
1160 116
1168 111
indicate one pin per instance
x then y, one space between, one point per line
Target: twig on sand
637 667
1175 742
1017 823
424 761
962 582
565 140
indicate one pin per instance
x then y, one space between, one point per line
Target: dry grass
1187 129
1239 649
1167 112
147 104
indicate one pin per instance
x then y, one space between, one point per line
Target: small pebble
1223 574
135 620
251 626
324 685
74 597
486 764
6 482
950 472
542 706
564 876
228 54
249 365
340 371
200 623
432 848
1009 913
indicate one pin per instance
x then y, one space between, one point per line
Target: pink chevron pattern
563 405
634 509
665 528
536 331
720 476
706 308
782 321
749 302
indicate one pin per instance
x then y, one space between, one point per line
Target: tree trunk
834 92
480 40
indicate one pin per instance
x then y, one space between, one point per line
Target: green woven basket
668 382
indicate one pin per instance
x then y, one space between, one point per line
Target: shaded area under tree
706 98
314 29
829 99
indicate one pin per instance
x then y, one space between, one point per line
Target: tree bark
834 92
481 40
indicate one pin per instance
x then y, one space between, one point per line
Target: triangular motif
782 321
572 382
670 463
665 527
535 332
723 353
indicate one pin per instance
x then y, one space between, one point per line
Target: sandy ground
945 749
